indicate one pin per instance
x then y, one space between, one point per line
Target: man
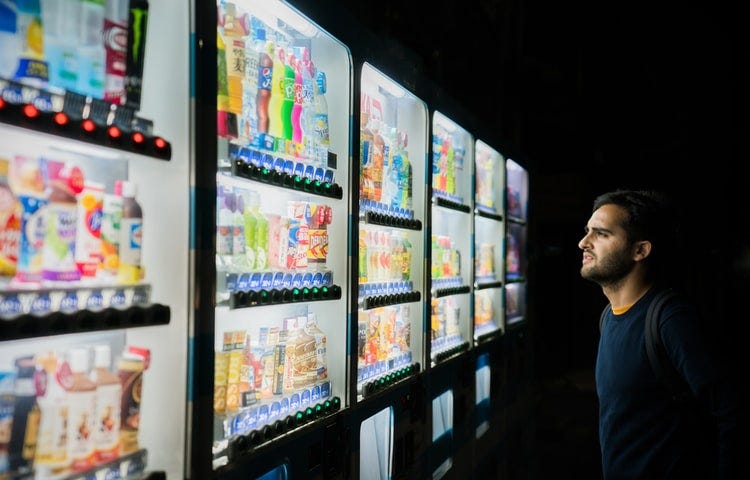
644 431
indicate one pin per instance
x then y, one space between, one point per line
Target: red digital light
88 126
2 103
61 119
114 132
30 111
160 143
138 138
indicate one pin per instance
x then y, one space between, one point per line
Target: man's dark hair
650 215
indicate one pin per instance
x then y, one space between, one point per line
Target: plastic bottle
288 104
250 223
26 416
116 49
224 243
52 438
254 45
110 230
308 94
62 21
88 245
91 54
131 236
235 52
239 257
32 67
320 118
405 177
265 82
297 106
378 159
261 233
130 369
58 251
10 45
275 104
81 412
108 398
10 223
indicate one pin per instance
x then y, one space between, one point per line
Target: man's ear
642 250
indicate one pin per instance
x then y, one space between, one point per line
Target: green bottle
250 222
261 233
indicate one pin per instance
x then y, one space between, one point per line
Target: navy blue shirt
643 432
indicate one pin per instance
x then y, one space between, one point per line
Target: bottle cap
102 356
128 189
79 360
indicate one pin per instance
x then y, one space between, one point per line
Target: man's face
607 255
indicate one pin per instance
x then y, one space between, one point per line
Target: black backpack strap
657 354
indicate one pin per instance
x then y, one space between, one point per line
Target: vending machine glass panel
391 202
489 241
282 184
451 233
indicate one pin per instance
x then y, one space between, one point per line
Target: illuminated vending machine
94 239
272 241
517 347
489 313
450 278
388 296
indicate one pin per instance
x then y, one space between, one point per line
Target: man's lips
587 257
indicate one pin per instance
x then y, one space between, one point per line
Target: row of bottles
56 225
249 240
386 172
271 95
384 256
92 47
64 413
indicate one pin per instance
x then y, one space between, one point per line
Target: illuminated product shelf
84 119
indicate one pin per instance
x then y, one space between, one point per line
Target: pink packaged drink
58 250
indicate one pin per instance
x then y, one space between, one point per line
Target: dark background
594 96
591 96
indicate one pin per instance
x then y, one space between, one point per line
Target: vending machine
489 313
451 276
94 239
388 295
489 242
272 223
517 395
517 195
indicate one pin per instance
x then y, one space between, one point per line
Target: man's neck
627 292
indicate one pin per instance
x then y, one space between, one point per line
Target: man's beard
610 270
